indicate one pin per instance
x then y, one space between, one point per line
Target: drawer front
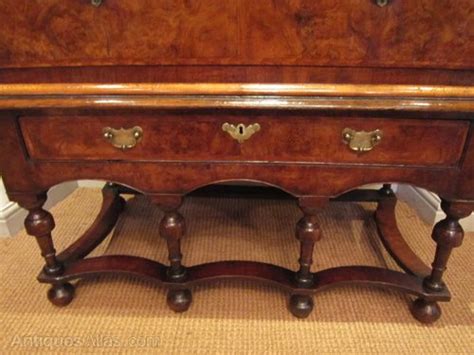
256 138
421 33
403 33
76 33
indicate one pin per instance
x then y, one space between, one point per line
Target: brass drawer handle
240 132
123 139
362 141
96 3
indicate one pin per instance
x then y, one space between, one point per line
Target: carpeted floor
122 314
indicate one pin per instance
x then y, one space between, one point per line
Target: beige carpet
115 313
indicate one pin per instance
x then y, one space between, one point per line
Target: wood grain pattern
284 138
228 74
239 95
422 33
238 89
461 107
55 32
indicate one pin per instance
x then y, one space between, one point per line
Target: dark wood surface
303 70
237 74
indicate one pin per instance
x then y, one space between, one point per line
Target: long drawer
254 138
375 33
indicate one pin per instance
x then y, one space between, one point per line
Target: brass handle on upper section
123 139
240 132
96 3
382 3
361 141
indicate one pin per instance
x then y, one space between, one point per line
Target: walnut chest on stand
316 98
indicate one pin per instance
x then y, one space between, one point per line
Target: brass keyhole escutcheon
124 139
240 132
361 141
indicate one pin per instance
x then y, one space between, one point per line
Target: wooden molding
245 96
328 90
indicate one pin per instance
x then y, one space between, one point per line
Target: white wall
428 206
11 216
3 194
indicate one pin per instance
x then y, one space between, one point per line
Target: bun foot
179 300
61 295
425 312
301 305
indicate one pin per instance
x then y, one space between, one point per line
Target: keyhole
241 130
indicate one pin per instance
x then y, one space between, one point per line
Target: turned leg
448 234
40 223
172 228
308 233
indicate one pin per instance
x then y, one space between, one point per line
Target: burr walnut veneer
165 98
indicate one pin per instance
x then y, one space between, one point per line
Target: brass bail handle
361 141
241 132
124 139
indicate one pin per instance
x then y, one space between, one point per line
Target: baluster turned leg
448 234
172 228
308 233
40 223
